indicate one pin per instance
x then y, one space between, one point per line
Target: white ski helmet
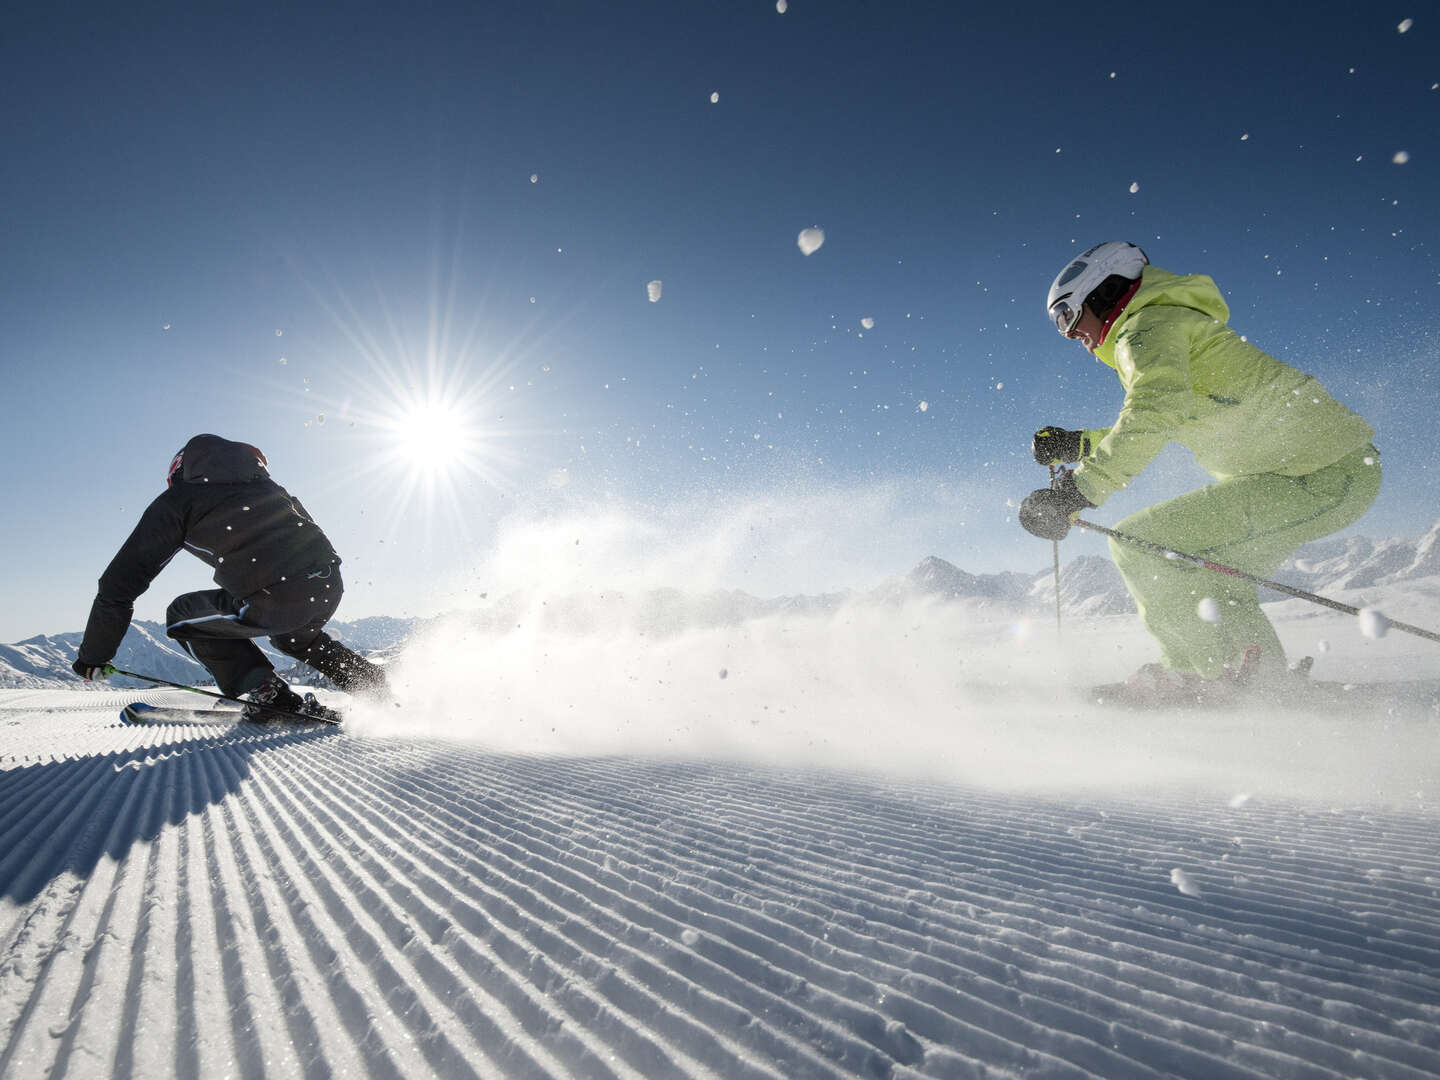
1087 272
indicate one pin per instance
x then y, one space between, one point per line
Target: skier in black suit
278 576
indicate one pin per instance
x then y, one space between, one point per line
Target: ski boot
1156 686
273 700
310 706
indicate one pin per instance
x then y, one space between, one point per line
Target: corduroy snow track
202 901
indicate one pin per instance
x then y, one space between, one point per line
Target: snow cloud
610 629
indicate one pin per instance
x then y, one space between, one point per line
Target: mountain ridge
1089 586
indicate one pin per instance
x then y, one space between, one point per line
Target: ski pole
1206 564
1055 545
111 669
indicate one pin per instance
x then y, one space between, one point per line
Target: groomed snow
917 854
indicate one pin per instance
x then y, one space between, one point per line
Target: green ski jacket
1190 379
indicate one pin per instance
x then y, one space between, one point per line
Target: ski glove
1046 512
90 672
1053 445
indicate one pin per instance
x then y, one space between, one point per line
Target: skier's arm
1153 359
1095 436
1056 445
153 543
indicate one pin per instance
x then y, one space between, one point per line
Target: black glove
1046 512
90 672
1053 445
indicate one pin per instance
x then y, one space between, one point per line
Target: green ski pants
1251 523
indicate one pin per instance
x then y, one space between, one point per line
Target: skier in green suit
1291 464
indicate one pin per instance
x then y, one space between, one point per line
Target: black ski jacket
222 507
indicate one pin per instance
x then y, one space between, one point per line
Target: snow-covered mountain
1357 562
374 633
1089 585
45 660
938 578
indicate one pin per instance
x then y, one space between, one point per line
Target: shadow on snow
60 817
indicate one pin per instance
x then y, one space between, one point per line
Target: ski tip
134 713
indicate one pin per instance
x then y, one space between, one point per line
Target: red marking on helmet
258 455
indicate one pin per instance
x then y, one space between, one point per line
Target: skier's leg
1168 595
343 666
309 607
1251 523
208 624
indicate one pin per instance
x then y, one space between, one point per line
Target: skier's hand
1046 512
1053 445
91 673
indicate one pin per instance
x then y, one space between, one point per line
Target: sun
432 435
430 416
433 442
429 452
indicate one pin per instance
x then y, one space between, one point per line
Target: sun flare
433 435
432 413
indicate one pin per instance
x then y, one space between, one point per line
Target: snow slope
912 872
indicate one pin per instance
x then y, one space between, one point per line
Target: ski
1403 696
137 712
1408 695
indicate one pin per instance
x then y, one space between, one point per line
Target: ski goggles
1066 316
172 473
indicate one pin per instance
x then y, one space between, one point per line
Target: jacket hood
1157 286
209 459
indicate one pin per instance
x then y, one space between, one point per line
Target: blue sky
245 223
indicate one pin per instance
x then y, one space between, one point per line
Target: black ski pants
216 628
